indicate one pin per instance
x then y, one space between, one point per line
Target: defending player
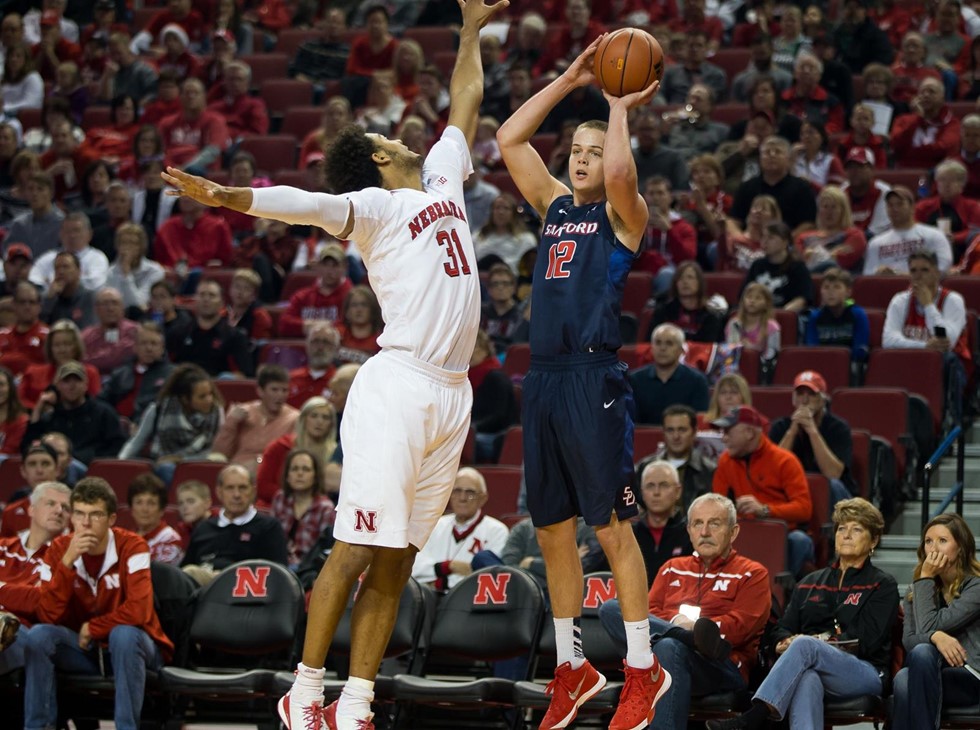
578 423
409 408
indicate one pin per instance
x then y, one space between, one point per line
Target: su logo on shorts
251 582
365 520
491 589
598 591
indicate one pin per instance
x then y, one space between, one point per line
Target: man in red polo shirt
23 343
193 237
243 113
196 136
323 300
930 133
322 343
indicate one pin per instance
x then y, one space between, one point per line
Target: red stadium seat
882 411
730 113
725 283
222 276
504 182
544 144
512 450
293 178
877 291
789 326
833 363
749 365
432 37
237 391
518 360
119 473
861 460
96 116
760 540
202 471
445 61
29 118
876 325
468 457
271 151
290 39
638 291
10 478
772 401
731 60
281 94
646 441
266 66
142 17
819 528
643 321
968 286
503 487
634 356
299 121
295 281
961 108
917 371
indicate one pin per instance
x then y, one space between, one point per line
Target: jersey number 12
457 263
560 254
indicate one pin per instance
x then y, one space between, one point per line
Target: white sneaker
297 716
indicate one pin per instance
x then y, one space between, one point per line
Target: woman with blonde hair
407 61
63 344
941 631
739 249
337 114
412 132
132 273
731 391
836 242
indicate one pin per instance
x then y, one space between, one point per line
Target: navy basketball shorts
577 416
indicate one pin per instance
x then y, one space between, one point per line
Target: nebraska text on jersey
431 213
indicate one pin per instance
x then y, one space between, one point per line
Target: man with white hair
448 555
930 132
313 378
956 216
667 381
970 153
244 114
661 531
707 638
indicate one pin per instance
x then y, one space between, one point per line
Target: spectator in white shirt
927 315
76 233
888 252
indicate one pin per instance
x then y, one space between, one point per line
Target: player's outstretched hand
202 190
580 71
637 98
477 13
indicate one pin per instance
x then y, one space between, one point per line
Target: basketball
627 61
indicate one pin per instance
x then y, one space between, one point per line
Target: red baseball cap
860 155
743 414
811 379
18 249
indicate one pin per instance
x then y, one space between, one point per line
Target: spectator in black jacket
91 424
859 40
494 404
238 532
688 307
208 340
135 385
695 470
797 200
661 531
324 58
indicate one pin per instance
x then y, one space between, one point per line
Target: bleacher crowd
800 321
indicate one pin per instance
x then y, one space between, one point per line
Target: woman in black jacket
688 308
835 636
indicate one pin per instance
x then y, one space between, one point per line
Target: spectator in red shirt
109 343
135 384
969 153
313 379
930 133
194 237
894 19
243 311
196 136
862 121
526 41
212 71
322 300
564 48
865 194
244 114
167 101
66 161
104 22
241 173
373 50
910 70
53 49
13 419
950 211
432 102
115 142
147 499
22 344
176 57
836 242
669 238
180 12
694 17
707 204
362 325
808 100
62 345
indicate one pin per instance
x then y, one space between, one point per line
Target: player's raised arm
466 84
524 164
629 210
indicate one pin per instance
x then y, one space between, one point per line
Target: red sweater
20 572
733 592
564 46
244 115
772 475
303 386
122 595
20 349
11 434
968 211
673 246
183 138
920 143
362 61
209 238
268 477
311 303
15 518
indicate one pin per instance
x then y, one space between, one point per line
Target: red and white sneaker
300 717
569 690
641 692
330 718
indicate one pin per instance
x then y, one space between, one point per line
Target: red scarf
479 371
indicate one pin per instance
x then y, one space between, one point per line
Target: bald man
111 342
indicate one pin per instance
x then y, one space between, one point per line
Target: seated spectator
502 313
808 100
781 271
661 530
878 81
194 238
324 58
679 79
956 216
22 86
22 562
132 273
13 419
795 197
76 618
68 86
242 174
447 557
374 49
313 379
125 74
814 161
134 384
243 312
765 102
930 133
669 240
147 499
910 68
865 194
250 427
694 17
760 65
63 345
505 237
52 49
166 103
828 642
13 196
244 114
176 57
39 227
361 325
91 424
888 252
707 640
118 210
321 300
731 391
315 432
301 505
790 43
838 321
837 242
66 297
698 133
777 488
754 325
163 308
695 469
66 162
181 424
862 137
337 114
92 197
969 78
495 408
431 104
667 381
194 505
196 136
17 262
969 153
650 156
740 249
39 465
270 251
109 343
224 48
152 205
207 339
578 31
221 541
940 627
383 108
688 308
22 344
706 205
75 236
180 12
70 469
859 38
818 438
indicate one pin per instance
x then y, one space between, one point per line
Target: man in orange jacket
764 480
98 594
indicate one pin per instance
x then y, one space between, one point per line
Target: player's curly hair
349 163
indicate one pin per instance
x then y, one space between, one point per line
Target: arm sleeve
959 614
298 207
892 335
798 507
952 317
750 610
134 447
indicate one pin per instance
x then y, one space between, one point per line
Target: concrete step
899 565
898 543
910 521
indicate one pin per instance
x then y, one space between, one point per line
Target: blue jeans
692 674
925 685
799 550
808 669
48 647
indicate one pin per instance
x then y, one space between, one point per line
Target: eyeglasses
465 494
96 516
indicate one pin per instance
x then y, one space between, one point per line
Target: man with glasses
98 596
448 555
502 314
22 344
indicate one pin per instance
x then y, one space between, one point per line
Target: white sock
638 654
308 685
565 640
355 700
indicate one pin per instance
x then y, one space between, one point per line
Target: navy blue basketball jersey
579 277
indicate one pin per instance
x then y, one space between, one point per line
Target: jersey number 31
560 254
457 263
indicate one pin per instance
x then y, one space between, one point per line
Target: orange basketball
627 61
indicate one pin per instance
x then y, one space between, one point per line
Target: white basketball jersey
419 255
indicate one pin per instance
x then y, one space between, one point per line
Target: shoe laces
634 688
313 716
563 680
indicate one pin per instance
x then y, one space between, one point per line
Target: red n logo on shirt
852 599
251 582
491 589
598 591
365 520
